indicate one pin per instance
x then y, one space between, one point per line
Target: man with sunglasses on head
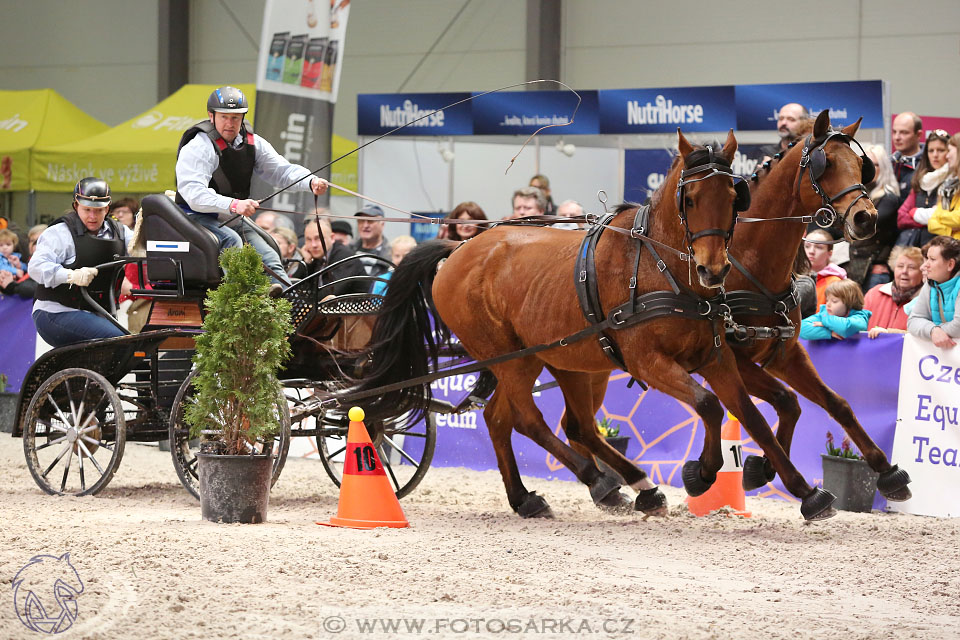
907 149
67 255
214 171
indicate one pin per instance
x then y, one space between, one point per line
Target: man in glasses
907 138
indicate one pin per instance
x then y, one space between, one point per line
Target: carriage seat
170 233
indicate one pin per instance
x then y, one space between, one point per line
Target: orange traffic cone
367 500
727 491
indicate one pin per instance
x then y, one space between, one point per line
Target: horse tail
404 341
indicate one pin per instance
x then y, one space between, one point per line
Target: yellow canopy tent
33 119
137 156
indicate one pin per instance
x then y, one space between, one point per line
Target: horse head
707 204
832 178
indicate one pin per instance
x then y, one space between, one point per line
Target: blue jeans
230 238
61 329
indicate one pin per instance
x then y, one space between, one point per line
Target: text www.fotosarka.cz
479 625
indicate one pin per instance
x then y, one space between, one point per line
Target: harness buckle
661 265
591 218
633 282
716 340
637 233
708 310
583 276
615 316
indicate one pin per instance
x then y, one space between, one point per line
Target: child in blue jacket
841 317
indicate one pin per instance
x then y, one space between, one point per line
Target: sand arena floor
467 567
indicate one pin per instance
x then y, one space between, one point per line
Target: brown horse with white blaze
512 287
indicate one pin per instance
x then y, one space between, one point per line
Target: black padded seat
171 234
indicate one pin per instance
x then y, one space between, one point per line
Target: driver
214 172
66 258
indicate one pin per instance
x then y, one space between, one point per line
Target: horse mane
697 157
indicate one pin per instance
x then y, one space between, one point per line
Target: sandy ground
467 567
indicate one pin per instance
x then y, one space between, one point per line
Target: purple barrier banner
18 343
664 432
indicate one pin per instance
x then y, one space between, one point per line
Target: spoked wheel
184 450
73 433
405 449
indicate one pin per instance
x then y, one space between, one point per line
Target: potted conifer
8 405
848 476
236 388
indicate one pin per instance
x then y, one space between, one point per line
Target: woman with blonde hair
887 300
868 258
945 220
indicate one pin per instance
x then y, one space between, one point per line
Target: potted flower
611 431
235 389
8 405
848 476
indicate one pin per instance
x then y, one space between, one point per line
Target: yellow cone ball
356 414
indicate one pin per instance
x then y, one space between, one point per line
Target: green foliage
237 357
608 428
845 450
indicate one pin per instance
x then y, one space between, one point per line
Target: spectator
289 252
789 119
806 285
541 182
528 201
9 256
816 246
840 317
868 258
916 210
933 317
569 209
465 211
32 236
945 220
269 221
124 211
907 150
316 259
400 248
886 301
342 232
371 240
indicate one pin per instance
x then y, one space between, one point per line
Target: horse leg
796 369
757 470
725 380
584 394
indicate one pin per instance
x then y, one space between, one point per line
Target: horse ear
851 129
730 146
822 124
683 144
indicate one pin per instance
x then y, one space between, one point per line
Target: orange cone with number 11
367 500
727 491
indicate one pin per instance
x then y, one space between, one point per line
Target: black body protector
91 251
232 176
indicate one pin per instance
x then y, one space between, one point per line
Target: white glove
922 215
82 276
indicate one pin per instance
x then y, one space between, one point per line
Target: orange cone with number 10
367 500
727 491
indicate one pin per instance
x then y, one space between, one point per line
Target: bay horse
511 287
823 173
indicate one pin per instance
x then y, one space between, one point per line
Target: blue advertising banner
758 104
423 231
664 433
663 110
643 173
378 113
19 344
523 112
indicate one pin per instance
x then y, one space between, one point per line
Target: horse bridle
716 167
814 160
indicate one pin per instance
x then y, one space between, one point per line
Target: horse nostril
725 271
863 219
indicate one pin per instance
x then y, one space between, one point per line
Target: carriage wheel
184 450
405 449
74 431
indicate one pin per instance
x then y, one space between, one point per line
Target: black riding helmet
227 100
92 192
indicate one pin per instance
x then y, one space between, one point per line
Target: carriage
80 404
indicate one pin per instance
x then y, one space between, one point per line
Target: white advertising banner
928 428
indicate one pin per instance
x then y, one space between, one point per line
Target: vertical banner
928 428
298 75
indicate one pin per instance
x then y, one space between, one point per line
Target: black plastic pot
852 481
8 410
619 443
234 488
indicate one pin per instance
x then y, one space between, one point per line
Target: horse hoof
816 506
651 502
603 486
892 484
534 506
692 482
616 502
755 474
